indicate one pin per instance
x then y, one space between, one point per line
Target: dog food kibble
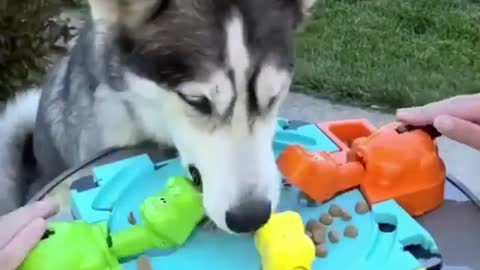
143 263
326 219
313 225
309 234
131 219
333 236
319 236
335 210
351 231
362 208
346 216
310 225
321 251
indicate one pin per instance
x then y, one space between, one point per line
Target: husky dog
204 76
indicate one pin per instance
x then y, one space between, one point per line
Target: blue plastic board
122 187
310 136
83 203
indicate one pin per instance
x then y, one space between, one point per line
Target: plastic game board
117 189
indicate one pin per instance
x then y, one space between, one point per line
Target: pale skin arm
457 118
21 230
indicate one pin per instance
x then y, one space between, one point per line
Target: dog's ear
130 13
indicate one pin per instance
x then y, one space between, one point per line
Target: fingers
465 107
13 222
418 116
15 252
459 130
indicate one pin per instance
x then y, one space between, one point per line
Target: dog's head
222 69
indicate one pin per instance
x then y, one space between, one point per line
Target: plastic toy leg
317 174
73 246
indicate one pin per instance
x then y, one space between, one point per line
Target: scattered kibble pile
319 232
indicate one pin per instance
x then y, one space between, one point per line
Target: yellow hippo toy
283 244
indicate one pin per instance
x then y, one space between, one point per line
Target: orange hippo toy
394 162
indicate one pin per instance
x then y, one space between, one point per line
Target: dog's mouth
196 176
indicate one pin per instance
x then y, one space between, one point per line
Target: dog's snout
248 216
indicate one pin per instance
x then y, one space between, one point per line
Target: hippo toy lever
393 162
168 220
429 129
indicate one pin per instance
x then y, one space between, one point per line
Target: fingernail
443 123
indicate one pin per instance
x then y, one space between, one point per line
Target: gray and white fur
205 76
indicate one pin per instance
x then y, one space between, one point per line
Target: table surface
455 226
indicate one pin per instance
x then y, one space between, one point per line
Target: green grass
390 52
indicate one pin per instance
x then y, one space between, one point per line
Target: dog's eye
200 103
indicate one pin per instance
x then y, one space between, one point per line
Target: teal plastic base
122 186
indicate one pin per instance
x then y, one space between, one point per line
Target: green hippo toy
168 221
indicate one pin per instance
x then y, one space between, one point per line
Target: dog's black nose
248 216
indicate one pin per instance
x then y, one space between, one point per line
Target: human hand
21 230
457 118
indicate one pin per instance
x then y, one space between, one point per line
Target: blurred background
33 34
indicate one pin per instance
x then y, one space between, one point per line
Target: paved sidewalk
462 162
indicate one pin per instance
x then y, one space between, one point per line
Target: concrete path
462 162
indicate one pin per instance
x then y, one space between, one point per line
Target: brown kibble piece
310 225
346 216
131 219
362 207
326 219
333 236
321 250
351 231
319 236
335 210
143 263
309 234
313 225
